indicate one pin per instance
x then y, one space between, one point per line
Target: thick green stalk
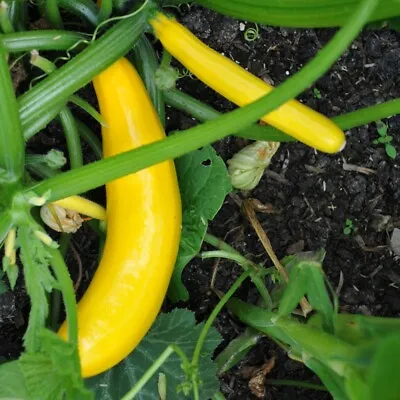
237 258
5 21
56 303
85 106
18 14
90 138
368 114
148 374
59 86
42 120
40 40
6 224
166 59
313 341
41 171
12 149
245 263
54 159
67 289
303 339
121 5
72 137
299 15
53 14
105 10
84 9
203 112
100 172
55 307
146 63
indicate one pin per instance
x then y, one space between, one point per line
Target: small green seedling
317 93
385 139
349 227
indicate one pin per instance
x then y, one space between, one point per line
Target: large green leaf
204 183
51 374
383 381
177 327
236 350
12 383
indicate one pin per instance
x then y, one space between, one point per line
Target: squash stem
5 21
40 40
53 13
105 10
213 315
90 138
67 289
12 149
84 9
148 374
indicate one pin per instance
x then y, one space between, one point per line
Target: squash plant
53 368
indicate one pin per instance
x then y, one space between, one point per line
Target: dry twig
249 210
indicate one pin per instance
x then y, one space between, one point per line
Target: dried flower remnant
248 165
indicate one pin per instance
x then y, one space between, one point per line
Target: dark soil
314 193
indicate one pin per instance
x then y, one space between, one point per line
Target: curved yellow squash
241 87
143 230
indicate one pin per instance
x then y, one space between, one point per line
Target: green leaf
391 151
318 296
177 327
385 139
38 281
358 329
305 341
307 278
333 382
11 270
52 374
12 383
204 183
295 289
382 128
237 350
347 231
356 386
383 374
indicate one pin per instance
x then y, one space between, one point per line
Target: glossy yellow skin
143 230
241 87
